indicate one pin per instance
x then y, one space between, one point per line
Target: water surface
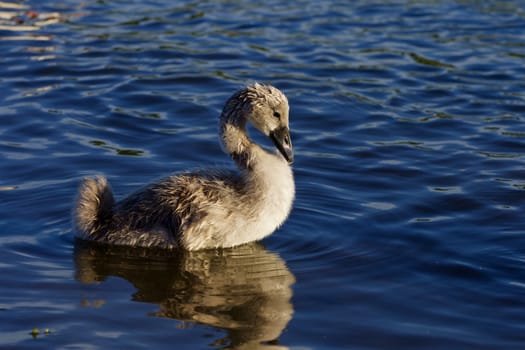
408 123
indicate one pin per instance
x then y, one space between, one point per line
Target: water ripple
407 120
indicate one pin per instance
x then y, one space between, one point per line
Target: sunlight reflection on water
408 124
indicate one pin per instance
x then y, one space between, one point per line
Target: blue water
408 120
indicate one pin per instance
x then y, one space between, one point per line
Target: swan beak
281 140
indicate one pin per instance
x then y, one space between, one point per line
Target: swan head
266 108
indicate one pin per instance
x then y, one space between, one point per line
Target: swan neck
235 140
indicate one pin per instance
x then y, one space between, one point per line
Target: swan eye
277 115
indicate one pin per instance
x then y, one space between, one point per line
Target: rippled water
408 123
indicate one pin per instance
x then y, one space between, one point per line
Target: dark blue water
408 119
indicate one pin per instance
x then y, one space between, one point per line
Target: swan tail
94 208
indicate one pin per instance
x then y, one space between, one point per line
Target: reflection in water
246 290
20 18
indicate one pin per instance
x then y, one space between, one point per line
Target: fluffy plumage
205 208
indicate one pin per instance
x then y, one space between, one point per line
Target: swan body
208 208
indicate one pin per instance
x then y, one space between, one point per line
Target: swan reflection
245 290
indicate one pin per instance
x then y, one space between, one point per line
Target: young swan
205 208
